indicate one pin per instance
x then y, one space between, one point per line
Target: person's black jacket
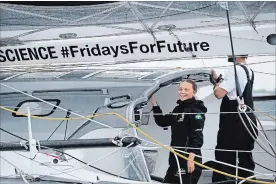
186 130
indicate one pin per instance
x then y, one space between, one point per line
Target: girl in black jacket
186 131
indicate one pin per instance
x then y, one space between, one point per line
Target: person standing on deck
186 131
232 134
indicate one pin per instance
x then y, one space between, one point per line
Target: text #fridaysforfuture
98 50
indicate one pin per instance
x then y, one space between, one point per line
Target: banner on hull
212 43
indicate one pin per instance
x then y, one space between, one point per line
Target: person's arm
219 92
160 119
226 85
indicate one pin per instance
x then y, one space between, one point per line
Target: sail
126 31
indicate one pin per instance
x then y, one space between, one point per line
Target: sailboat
75 85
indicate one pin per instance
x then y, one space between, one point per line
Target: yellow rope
265 114
149 137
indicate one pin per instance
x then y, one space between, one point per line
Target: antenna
224 5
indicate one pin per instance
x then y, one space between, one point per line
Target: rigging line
209 34
265 167
265 136
142 61
57 181
49 166
75 158
10 163
257 137
32 14
254 176
256 111
100 13
254 137
175 152
258 121
89 164
223 182
71 118
53 105
264 72
183 10
150 18
267 115
176 148
173 59
103 157
259 10
112 11
54 26
189 49
163 13
130 161
65 129
223 163
55 129
62 152
13 134
137 15
245 12
204 149
183 157
83 124
99 115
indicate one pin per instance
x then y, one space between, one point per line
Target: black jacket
186 130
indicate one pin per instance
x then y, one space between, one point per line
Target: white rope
23 178
179 169
257 137
260 142
248 178
252 123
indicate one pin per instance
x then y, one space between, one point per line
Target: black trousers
245 161
172 175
